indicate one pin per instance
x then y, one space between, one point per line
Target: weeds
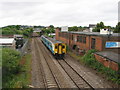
15 74
89 60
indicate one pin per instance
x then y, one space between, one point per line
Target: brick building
81 42
88 40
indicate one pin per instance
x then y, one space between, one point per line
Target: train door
59 48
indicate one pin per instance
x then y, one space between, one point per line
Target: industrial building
84 41
81 42
7 42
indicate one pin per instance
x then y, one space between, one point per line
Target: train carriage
57 48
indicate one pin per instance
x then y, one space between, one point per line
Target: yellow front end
55 48
60 48
64 48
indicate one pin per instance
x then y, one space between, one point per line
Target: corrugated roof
6 40
110 55
94 33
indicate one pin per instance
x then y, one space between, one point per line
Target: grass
0 68
89 60
74 55
0 57
23 78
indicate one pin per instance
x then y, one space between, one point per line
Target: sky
58 12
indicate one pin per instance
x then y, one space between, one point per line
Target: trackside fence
24 48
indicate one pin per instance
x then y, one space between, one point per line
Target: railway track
64 73
60 80
73 75
49 79
38 81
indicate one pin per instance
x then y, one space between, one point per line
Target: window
84 39
63 46
93 41
55 47
80 38
59 34
77 38
72 37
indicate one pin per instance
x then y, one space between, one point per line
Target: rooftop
110 55
94 33
6 40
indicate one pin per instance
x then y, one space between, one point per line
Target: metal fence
24 48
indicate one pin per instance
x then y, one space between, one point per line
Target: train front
60 50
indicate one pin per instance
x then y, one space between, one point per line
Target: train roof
52 40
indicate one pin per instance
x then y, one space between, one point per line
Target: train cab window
55 47
63 46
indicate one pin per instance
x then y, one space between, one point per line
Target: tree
51 26
98 27
15 29
80 28
117 29
101 25
74 28
10 65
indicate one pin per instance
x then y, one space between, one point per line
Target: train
57 48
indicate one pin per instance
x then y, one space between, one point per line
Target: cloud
58 12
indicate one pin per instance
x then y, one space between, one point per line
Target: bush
15 29
90 60
10 64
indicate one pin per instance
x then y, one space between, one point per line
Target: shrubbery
10 65
90 60
15 69
15 29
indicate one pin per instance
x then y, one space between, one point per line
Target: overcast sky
58 12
